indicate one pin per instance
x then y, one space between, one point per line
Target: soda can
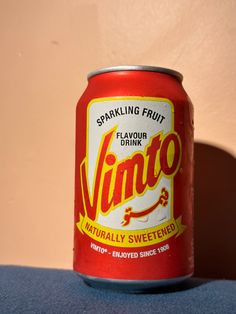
134 179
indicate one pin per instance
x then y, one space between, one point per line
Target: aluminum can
134 179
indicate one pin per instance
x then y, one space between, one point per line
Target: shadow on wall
215 213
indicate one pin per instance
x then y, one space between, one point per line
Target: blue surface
36 290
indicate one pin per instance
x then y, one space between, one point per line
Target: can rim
148 68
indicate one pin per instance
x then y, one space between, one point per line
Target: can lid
171 72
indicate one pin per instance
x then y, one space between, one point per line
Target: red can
134 179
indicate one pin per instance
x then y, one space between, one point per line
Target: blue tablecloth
37 290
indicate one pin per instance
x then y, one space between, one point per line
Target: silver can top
171 72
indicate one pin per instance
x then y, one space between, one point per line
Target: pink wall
47 49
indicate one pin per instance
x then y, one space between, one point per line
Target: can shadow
183 286
214 213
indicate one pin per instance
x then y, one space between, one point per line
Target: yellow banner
130 238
